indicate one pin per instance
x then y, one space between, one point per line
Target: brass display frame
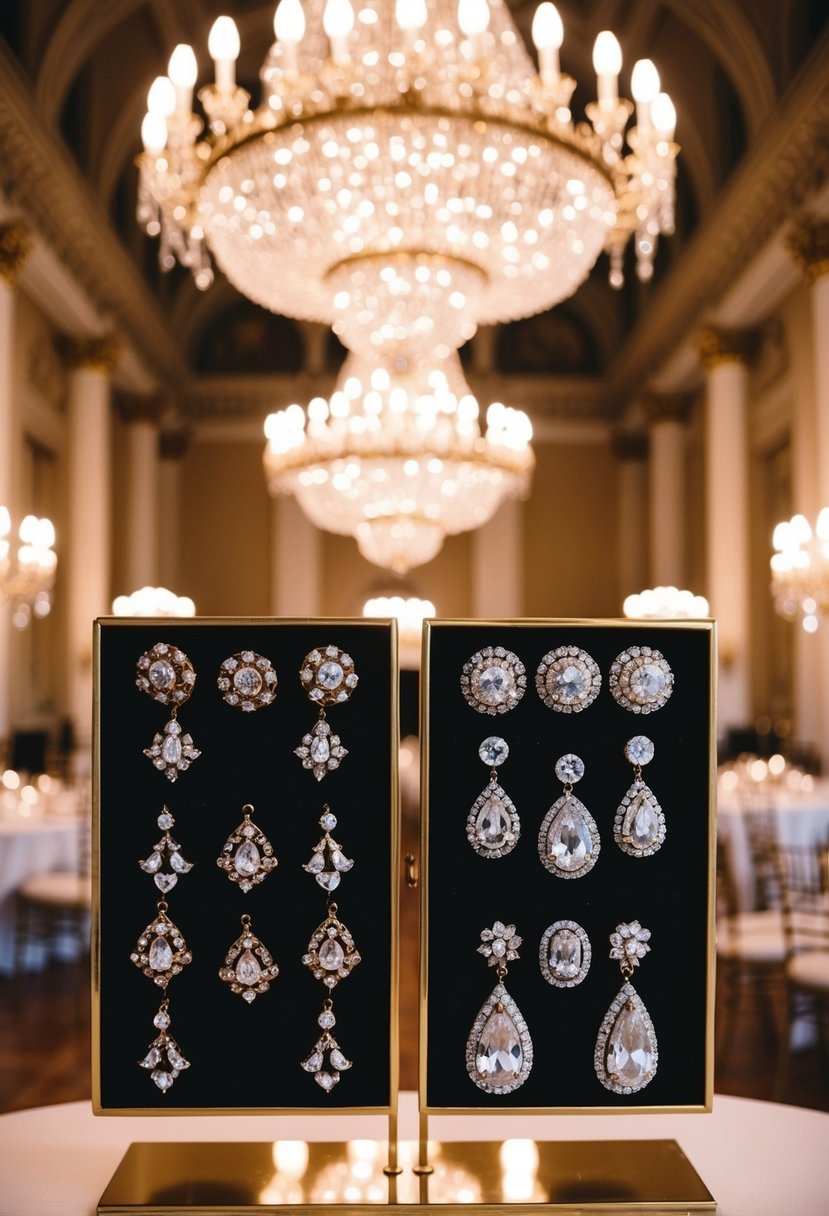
389 1110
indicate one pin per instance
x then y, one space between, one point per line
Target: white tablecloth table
38 844
756 1158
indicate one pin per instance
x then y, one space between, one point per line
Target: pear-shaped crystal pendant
499 1050
163 1057
639 828
320 750
249 966
493 826
568 841
331 954
161 950
325 1059
626 1051
247 855
328 862
172 753
166 863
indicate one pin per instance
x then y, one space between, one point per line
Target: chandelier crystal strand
27 572
800 569
406 177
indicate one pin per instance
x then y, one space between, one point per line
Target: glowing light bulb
473 17
154 133
607 63
338 22
161 99
289 27
223 45
663 116
183 72
410 15
547 35
644 84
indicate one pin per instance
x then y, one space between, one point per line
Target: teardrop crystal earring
164 1056
331 957
328 677
639 828
166 674
161 951
249 966
493 826
328 862
626 1053
247 855
568 842
166 863
499 1050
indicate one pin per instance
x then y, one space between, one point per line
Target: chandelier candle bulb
663 117
154 133
644 85
223 46
183 72
289 28
411 16
338 23
548 35
161 99
607 64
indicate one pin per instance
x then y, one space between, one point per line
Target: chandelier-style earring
247 855
641 680
163 1054
331 957
166 863
493 680
328 863
626 1053
568 679
166 674
329 678
564 954
161 951
568 841
639 828
247 680
249 966
499 1050
493 826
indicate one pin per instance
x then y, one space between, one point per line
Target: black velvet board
245 1057
667 892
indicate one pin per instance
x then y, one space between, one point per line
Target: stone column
666 414
142 416
14 248
296 564
87 584
172 444
499 546
725 356
809 244
631 451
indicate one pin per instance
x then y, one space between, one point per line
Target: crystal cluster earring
328 863
248 966
247 681
641 680
493 680
166 862
247 856
626 1053
493 826
568 842
166 674
164 1057
639 828
568 679
499 1050
328 677
161 953
564 954
331 957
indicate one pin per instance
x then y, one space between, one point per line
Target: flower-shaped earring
328 677
626 1054
247 680
166 674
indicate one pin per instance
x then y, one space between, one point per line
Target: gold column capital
666 407
15 247
628 446
132 407
94 354
717 345
808 243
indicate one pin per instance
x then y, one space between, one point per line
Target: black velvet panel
667 892
245 1056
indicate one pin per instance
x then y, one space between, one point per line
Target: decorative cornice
716 346
629 446
89 354
808 243
666 407
172 445
131 407
15 246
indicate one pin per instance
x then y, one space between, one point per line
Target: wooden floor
45 1052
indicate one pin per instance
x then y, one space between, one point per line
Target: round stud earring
568 679
247 680
493 680
641 680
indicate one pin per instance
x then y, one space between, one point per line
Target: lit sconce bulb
154 133
223 46
644 84
161 98
338 22
473 17
607 64
663 116
410 15
547 35
183 71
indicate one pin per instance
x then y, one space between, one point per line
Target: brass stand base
566 1178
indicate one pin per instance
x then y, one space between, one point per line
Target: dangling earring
626 1054
247 855
166 674
331 957
329 678
161 952
249 966
167 852
328 863
163 1054
499 1050
568 842
639 828
493 826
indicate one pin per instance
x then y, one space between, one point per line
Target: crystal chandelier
410 612
800 569
27 573
153 601
407 176
667 603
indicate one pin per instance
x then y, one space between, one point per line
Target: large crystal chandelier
407 176
800 569
27 568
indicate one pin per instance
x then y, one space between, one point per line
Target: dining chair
804 877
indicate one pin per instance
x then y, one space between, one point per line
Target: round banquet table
756 1158
38 844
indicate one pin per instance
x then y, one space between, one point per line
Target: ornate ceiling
750 81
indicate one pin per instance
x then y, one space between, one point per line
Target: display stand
244 1047
670 890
